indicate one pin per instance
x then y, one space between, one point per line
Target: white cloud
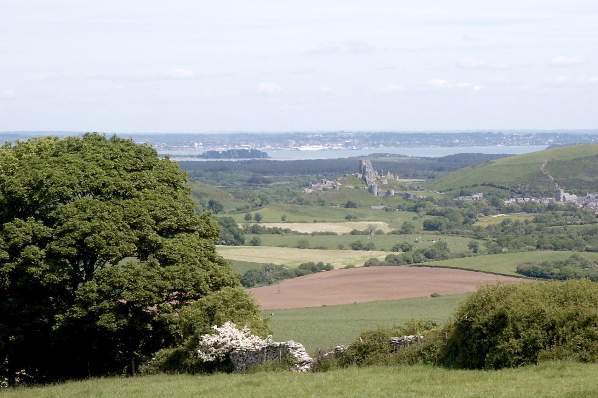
345 47
443 84
566 61
7 94
268 88
392 88
180 73
472 63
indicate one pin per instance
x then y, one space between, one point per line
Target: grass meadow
327 326
457 244
305 214
506 263
293 257
547 380
498 218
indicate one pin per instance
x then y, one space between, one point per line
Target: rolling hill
574 168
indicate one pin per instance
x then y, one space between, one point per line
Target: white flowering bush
226 339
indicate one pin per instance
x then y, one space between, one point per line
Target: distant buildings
476 197
588 201
323 185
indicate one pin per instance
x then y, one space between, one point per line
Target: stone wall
275 351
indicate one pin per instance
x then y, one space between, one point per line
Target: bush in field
215 310
514 325
230 233
255 241
270 273
574 267
374 348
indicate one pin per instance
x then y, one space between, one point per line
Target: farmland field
336 227
345 286
294 257
547 380
327 326
506 263
457 244
498 218
307 214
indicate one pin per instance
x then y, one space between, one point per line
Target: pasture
457 244
294 257
498 218
307 214
336 227
547 380
327 326
506 263
345 286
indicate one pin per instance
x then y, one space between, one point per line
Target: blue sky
281 65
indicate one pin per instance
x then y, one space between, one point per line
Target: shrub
255 241
374 348
302 244
574 267
506 326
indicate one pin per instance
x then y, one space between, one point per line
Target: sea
414 151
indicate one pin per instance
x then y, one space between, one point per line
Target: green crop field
240 267
498 218
547 380
507 263
306 214
327 326
524 172
457 244
294 257
201 192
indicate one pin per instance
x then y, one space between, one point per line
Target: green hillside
574 168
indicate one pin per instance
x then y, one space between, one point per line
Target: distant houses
323 185
588 201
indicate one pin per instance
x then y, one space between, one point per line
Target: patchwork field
358 285
327 326
506 263
548 380
307 214
294 257
336 227
457 244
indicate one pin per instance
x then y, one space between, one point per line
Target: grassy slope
201 192
456 244
294 257
506 263
523 172
297 213
497 219
557 379
325 327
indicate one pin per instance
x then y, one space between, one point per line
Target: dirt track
345 286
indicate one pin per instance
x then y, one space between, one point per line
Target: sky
308 65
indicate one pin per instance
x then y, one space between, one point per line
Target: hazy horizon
233 66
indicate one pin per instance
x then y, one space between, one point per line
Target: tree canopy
100 248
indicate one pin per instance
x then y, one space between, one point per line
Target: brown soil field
357 285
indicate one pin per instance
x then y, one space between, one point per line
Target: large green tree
100 249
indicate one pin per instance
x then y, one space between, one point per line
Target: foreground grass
294 257
507 263
557 379
325 327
